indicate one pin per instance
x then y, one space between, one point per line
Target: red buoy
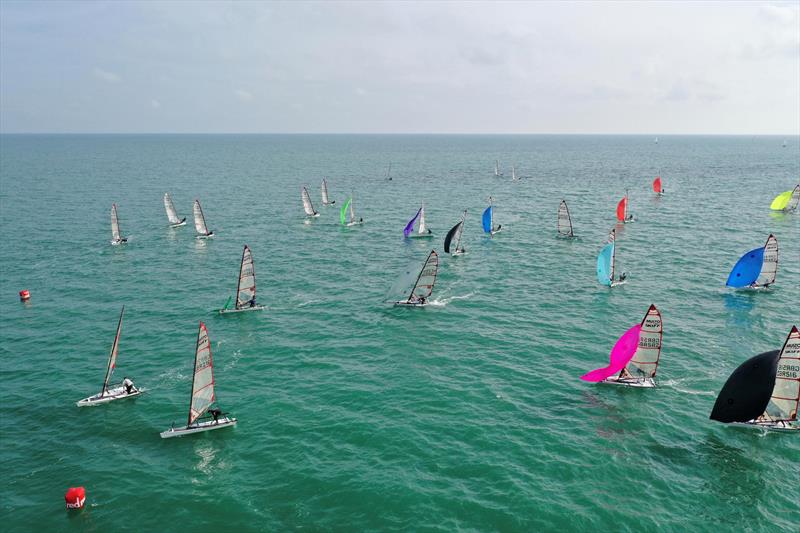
75 497
24 295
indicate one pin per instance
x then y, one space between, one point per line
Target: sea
353 414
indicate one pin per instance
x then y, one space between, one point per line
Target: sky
400 67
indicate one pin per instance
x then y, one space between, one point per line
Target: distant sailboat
764 391
757 268
488 220
389 172
622 210
422 229
564 223
497 172
202 396
325 200
656 140
786 201
634 358
246 288
784 143
423 286
606 264
657 188
308 207
347 216
113 392
514 173
200 222
117 238
455 234
172 215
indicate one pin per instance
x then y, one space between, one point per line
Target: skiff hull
198 428
117 393
646 383
242 310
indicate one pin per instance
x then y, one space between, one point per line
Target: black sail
746 393
449 237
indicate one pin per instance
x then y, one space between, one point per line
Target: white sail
246 290
423 287
612 239
112 359
203 377
199 219
172 215
513 172
422 229
325 200
645 360
497 168
795 198
115 234
786 393
308 207
769 268
352 213
564 224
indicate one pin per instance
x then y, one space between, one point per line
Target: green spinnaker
343 211
227 303
781 201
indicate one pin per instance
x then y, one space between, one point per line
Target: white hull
178 224
646 383
315 215
350 224
629 220
771 426
494 232
242 310
209 236
198 428
618 283
117 242
117 393
459 252
406 303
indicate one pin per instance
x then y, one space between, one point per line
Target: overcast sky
537 67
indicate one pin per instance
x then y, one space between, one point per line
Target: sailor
361 220
127 384
252 302
623 276
625 374
421 300
215 412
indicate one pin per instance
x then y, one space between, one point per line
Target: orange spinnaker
621 209
657 184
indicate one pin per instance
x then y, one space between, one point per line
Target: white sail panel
203 379
564 224
114 223
786 393
769 267
325 200
352 213
246 291
795 198
645 360
172 215
427 278
612 240
112 359
308 207
199 219
422 229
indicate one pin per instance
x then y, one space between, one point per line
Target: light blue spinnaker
747 269
605 266
487 220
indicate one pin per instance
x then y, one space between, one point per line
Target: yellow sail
781 201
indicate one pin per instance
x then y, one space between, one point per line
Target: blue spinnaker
604 264
487 220
410 225
747 269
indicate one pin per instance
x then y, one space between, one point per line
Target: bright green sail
781 201
343 211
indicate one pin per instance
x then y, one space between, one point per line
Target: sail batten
112 358
564 221
202 377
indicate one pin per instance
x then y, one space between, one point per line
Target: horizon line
738 134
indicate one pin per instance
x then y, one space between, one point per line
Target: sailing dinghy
757 268
423 286
606 263
497 172
202 394
455 235
422 229
564 224
348 210
657 187
389 172
325 200
172 215
764 391
308 207
488 220
622 210
786 201
200 222
634 358
116 237
109 393
514 176
246 289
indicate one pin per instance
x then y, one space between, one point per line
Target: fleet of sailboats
200 222
172 215
246 288
116 236
201 416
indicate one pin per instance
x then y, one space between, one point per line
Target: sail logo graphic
203 362
649 342
652 323
789 371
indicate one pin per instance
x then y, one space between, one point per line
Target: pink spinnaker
621 354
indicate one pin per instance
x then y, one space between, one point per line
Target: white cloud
106 76
244 96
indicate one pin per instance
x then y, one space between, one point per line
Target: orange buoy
24 295
75 497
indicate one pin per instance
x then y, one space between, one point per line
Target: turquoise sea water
353 415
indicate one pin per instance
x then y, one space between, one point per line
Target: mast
491 213
112 358
613 240
626 204
202 377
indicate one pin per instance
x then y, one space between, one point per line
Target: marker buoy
75 497
24 295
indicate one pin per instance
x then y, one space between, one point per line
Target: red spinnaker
657 184
621 209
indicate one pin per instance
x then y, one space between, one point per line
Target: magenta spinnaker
621 354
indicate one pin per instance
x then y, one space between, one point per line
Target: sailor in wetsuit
127 384
215 412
